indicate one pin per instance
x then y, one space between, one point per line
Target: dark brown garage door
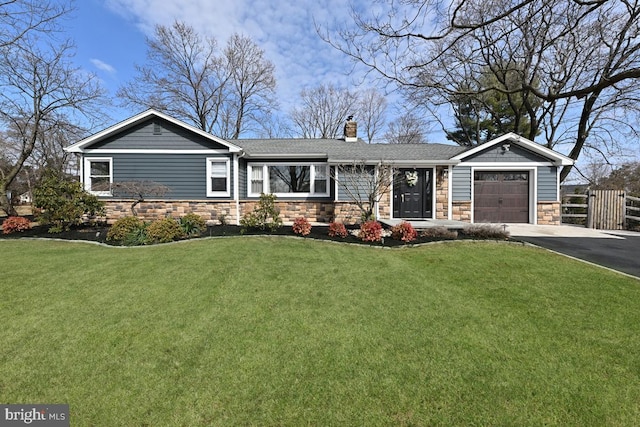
501 196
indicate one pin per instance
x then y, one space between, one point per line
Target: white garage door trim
533 186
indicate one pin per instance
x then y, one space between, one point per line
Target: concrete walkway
530 230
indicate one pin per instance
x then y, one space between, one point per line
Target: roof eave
414 162
558 159
256 156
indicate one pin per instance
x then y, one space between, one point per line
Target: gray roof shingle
337 150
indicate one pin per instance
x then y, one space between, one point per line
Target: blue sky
110 37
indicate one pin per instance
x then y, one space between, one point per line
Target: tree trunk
583 132
5 204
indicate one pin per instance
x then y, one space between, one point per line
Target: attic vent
157 130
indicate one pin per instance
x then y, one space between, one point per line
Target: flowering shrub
301 226
404 232
371 231
14 224
337 229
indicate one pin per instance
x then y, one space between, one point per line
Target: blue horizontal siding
356 184
184 174
515 154
547 183
143 136
461 185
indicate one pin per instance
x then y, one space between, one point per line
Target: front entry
413 193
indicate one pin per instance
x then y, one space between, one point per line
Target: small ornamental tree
265 216
63 202
364 184
139 191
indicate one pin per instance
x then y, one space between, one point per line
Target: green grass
277 331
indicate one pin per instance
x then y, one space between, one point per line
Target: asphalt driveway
616 250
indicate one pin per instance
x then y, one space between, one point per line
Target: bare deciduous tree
323 111
365 184
252 84
406 129
41 92
579 61
21 18
188 77
184 76
370 113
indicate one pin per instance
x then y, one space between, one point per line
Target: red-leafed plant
371 231
301 226
404 232
337 229
15 224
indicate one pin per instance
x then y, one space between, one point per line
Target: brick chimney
350 130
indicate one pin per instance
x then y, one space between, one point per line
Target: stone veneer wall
442 194
549 213
212 211
384 206
314 211
461 211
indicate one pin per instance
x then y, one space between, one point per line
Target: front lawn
279 331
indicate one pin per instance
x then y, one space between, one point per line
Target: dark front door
413 194
501 196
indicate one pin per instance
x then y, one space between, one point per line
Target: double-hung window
98 175
287 179
218 177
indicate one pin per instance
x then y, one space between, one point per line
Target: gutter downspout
236 190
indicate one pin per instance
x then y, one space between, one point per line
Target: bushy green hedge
62 203
124 227
164 230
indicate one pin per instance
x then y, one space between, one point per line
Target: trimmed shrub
439 233
192 224
301 226
371 231
337 229
62 203
123 227
404 232
15 224
164 230
265 216
137 237
486 231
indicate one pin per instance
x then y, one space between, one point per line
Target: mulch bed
99 234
